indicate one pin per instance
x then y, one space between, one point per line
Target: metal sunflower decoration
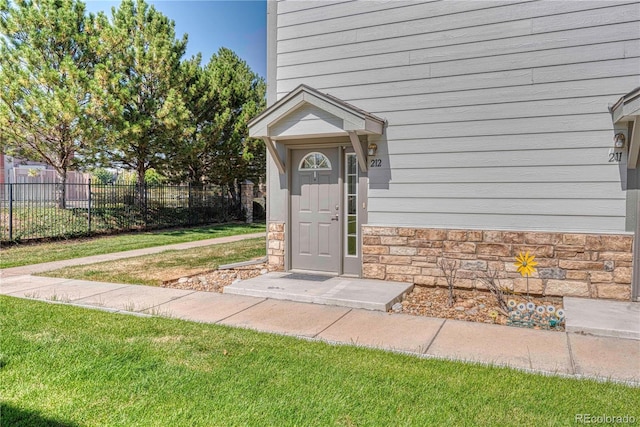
526 266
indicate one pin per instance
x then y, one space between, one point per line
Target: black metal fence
33 211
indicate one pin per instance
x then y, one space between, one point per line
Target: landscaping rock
216 280
397 307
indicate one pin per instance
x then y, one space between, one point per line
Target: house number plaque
375 163
615 155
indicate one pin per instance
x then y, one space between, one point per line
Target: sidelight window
351 195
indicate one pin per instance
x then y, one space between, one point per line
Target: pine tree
239 96
190 160
47 86
144 63
221 98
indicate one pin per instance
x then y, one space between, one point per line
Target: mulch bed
216 280
470 305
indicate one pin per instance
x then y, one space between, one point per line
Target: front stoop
340 291
607 318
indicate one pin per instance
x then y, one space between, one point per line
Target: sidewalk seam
571 359
332 323
170 301
124 285
426 350
238 312
70 281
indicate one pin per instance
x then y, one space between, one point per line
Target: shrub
102 176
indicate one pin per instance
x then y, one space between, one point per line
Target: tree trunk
140 186
61 189
141 172
233 193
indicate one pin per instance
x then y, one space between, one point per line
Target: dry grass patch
170 265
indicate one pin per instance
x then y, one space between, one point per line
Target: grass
154 269
25 254
69 366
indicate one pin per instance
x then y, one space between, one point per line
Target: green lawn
25 254
68 366
156 268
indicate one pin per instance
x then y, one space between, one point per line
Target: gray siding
497 111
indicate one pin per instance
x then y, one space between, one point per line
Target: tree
47 86
144 59
190 160
239 96
221 98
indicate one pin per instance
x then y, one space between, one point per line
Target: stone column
275 247
246 198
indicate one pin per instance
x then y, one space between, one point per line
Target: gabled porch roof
351 118
307 113
627 109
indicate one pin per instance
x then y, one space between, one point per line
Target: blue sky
239 25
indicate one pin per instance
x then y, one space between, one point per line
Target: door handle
335 218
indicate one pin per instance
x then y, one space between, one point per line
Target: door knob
335 218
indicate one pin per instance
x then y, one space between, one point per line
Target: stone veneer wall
275 246
569 264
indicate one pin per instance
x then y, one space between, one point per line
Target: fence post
10 211
246 198
189 205
145 216
146 205
225 195
89 207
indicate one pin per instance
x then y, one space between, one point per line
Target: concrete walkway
556 353
329 290
618 319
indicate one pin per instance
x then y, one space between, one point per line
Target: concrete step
619 319
329 290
